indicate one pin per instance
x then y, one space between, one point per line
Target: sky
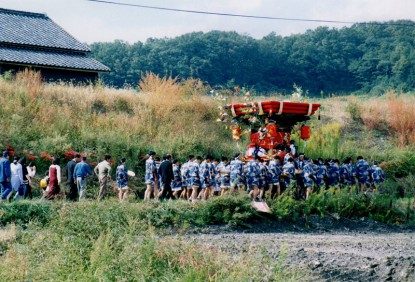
92 22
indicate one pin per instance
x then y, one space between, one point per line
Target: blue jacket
5 172
82 169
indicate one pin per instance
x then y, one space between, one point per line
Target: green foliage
344 203
366 58
109 241
231 209
23 212
287 208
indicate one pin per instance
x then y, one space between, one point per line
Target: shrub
231 209
23 212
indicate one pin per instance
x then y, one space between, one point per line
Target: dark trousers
6 189
166 192
73 191
28 192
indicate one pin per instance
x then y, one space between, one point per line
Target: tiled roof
24 28
52 59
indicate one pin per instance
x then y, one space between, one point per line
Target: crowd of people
16 178
260 175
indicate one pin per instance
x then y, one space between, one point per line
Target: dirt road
331 256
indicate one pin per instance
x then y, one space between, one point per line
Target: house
33 40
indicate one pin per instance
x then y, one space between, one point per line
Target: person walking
166 177
102 170
16 179
5 175
151 177
80 173
71 179
54 180
122 180
31 172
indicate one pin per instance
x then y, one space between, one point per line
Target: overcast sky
91 22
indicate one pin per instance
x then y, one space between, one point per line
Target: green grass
345 203
109 241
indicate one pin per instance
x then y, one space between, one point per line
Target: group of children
201 178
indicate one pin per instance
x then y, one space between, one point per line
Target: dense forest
363 57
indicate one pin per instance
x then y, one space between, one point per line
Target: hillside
362 58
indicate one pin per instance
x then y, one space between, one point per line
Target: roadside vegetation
147 241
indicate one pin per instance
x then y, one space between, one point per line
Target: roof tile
35 29
53 59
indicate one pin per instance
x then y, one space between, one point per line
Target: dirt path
334 256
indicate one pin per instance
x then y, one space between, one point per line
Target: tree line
363 57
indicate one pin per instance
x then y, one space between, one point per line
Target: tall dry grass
165 115
394 113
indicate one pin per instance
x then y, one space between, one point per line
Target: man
150 176
177 183
102 170
224 171
362 173
299 176
5 175
377 175
80 173
237 168
166 176
333 173
194 176
253 173
71 179
206 177
288 172
275 170
346 173
216 177
309 177
184 171
320 171
263 179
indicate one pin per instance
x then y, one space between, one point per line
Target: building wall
54 75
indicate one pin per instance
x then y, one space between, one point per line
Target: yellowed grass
165 114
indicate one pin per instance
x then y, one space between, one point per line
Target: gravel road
330 256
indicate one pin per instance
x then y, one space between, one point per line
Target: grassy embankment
108 241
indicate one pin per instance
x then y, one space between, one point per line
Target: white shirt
16 171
